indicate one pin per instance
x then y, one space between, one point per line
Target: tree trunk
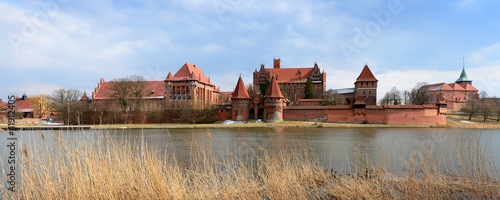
126 116
68 114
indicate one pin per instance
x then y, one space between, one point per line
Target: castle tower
366 87
277 63
273 102
240 102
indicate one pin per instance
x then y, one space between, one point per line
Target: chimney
277 63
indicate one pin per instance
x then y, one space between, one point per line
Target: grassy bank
460 121
120 169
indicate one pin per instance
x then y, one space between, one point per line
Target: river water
334 147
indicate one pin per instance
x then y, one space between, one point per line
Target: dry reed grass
122 169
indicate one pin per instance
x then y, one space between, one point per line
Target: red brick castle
190 86
360 101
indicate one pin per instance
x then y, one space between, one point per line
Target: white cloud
33 89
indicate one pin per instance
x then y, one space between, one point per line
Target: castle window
369 92
373 83
364 92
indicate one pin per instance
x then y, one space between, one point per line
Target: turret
240 102
273 102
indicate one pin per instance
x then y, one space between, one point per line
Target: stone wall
395 115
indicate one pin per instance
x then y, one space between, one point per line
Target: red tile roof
153 89
402 106
437 87
468 87
24 105
224 97
189 72
84 97
240 92
274 91
456 86
366 75
169 76
287 75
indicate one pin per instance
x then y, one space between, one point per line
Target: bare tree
139 85
67 102
483 94
471 107
418 95
392 97
123 93
129 92
385 100
66 95
332 98
406 97
486 109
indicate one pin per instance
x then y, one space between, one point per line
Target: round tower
273 102
240 102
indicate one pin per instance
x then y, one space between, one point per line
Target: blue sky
46 45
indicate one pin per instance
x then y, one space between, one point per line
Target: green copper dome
463 77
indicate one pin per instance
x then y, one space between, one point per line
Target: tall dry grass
105 168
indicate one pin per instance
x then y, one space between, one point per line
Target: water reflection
334 147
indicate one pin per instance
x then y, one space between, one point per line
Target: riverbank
459 121
283 124
452 122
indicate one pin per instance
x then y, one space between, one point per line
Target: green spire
463 77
